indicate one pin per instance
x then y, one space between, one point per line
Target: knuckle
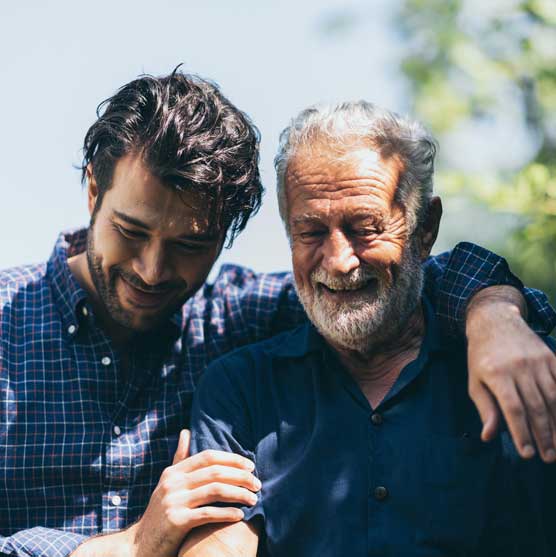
514 408
207 457
203 513
538 412
550 393
216 472
166 485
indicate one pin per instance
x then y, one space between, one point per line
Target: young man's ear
429 227
92 189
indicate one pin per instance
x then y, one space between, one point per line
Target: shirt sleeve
40 542
452 278
220 416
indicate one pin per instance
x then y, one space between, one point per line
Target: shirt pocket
463 504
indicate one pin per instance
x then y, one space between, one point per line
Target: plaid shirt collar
71 298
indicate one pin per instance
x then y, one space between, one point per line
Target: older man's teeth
346 287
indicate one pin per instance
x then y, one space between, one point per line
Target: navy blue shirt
410 477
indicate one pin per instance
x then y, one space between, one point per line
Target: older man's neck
376 371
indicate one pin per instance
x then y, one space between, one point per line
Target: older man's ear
428 231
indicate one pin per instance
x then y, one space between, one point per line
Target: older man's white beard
371 318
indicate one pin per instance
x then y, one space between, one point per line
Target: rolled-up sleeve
453 278
40 542
220 418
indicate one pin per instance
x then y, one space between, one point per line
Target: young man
102 346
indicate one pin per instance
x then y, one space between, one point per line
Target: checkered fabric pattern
83 440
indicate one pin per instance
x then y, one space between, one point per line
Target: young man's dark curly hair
189 135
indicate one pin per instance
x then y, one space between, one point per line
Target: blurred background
481 75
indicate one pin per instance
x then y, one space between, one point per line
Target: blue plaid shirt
83 441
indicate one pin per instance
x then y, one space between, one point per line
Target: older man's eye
311 234
365 232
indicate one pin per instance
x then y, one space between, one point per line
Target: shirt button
106 361
72 329
116 500
85 311
117 431
380 493
376 419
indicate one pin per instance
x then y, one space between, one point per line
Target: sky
60 59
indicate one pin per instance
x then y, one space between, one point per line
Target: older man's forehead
343 167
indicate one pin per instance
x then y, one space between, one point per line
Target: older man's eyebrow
306 219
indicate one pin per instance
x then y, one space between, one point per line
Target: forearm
221 540
491 306
118 544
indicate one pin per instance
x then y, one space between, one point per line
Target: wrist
119 544
494 307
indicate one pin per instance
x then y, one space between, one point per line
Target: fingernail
550 455
253 498
258 484
250 465
528 451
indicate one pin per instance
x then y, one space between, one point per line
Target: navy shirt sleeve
220 416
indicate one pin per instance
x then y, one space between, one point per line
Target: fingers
488 409
210 458
514 412
182 452
223 474
539 417
209 515
219 492
546 386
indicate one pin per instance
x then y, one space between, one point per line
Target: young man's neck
79 268
376 371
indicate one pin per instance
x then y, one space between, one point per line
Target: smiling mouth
348 289
143 299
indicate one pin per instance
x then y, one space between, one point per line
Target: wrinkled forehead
335 168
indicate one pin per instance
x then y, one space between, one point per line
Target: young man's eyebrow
131 220
200 237
192 236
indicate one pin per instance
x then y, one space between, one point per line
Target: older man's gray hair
383 130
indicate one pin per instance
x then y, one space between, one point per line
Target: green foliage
466 57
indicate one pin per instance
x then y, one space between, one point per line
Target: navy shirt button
380 493
376 419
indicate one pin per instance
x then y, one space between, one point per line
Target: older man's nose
339 257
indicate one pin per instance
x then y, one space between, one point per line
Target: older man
363 435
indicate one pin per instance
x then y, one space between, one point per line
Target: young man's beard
373 319
108 296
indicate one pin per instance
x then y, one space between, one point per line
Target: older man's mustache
355 279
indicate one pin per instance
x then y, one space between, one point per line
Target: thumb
488 410
182 452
